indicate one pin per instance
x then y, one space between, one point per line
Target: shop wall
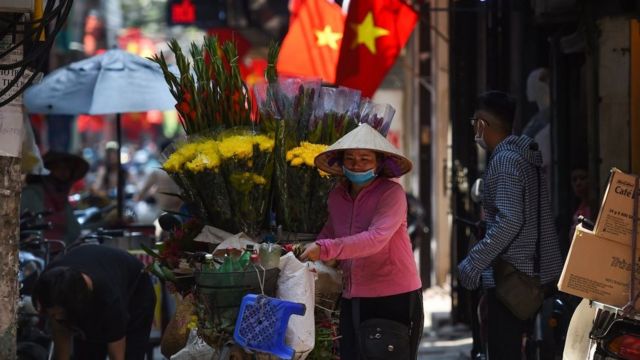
613 89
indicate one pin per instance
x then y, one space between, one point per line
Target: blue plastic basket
262 324
221 293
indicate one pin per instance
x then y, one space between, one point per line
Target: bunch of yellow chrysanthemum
195 156
305 154
241 146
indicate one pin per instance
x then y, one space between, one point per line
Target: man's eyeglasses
474 120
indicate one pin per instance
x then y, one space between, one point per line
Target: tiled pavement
442 340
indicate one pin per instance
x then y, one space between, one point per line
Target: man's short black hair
500 104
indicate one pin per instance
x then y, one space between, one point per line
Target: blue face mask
359 178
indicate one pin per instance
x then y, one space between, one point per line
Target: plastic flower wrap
246 162
379 116
335 114
285 107
195 167
304 117
307 189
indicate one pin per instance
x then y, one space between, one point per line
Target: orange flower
183 107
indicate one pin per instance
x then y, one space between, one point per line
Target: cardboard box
597 269
616 213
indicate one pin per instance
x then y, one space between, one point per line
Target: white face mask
479 139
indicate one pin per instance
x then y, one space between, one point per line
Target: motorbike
600 331
35 252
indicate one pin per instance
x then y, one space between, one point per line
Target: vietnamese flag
375 32
312 45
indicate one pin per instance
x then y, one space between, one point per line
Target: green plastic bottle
227 264
245 258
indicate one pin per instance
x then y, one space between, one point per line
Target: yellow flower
323 174
264 142
308 159
259 180
208 160
193 322
241 146
304 154
195 156
173 163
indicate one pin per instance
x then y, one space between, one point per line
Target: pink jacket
369 236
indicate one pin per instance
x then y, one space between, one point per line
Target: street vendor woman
366 231
100 302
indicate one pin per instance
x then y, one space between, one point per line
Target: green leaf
149 251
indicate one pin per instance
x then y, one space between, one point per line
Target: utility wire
35 52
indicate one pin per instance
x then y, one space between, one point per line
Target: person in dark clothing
51 192
100 301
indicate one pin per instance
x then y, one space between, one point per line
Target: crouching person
100 302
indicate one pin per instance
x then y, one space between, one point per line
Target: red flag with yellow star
312 45
375 32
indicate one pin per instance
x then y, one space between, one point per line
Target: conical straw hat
364 137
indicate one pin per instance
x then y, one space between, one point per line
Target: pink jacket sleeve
388 216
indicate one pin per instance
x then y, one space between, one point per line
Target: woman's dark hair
500 104
64 287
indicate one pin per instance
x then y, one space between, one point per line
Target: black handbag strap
536 259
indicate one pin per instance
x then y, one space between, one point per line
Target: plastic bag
176 333
196 349
212 235
238 241
328 287
31 160
297 284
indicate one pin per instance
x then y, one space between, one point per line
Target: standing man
512 192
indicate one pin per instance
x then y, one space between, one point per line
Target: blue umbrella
114 82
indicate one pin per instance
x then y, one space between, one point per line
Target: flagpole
120 186
345 6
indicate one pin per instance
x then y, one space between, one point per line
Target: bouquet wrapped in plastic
195 166
246 160
286 107
307 189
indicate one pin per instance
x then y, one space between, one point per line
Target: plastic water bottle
269 253
208 265
229 264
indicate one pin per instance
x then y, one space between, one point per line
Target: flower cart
253 195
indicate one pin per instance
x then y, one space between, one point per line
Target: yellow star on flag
367 32
327 37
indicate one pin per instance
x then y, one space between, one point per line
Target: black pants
505 330
141 309
395 307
